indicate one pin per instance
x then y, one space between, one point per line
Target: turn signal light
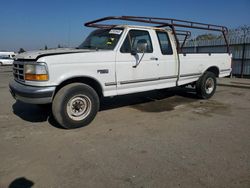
36 77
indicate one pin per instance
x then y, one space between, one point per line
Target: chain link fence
239 47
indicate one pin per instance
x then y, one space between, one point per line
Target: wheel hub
79 107
209 85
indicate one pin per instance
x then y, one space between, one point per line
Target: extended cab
116 60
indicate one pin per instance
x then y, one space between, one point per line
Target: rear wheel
75 105
206 85
1 64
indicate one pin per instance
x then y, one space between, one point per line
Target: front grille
18 71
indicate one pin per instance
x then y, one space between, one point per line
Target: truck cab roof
138 27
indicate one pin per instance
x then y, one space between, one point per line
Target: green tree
207 36
46 47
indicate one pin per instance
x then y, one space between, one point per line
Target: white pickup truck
115 60
6 58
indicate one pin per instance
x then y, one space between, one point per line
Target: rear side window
166 48
133 38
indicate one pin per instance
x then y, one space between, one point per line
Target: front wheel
75 105
206 85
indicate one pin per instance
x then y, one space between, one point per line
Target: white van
6 58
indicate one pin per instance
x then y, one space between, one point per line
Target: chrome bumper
31 94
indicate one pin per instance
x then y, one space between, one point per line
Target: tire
75 105
206 85
1 64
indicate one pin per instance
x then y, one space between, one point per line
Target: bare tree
242 31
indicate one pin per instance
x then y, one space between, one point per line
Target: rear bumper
31 94
225 72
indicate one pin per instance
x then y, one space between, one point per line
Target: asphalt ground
166 138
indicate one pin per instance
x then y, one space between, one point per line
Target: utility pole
243 58
69 32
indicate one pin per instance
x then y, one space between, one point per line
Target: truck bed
193 65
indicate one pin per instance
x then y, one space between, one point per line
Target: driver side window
135 37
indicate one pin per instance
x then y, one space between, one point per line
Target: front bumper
31 94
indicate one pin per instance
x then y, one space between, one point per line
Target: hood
34 55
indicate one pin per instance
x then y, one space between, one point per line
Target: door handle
154 58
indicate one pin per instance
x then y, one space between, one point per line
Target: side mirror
142 46
133 52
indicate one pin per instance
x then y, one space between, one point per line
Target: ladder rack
164 22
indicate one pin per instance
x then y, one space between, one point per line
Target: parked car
6 58
115 60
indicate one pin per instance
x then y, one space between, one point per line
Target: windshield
5 57
105 39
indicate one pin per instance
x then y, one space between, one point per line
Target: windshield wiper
89 47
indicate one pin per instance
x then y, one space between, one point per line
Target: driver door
131 78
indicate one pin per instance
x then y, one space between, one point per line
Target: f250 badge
103 71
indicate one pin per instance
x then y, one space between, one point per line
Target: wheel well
214 70
86 80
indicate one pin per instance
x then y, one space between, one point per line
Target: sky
32 24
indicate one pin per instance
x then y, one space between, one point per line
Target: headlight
36 72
